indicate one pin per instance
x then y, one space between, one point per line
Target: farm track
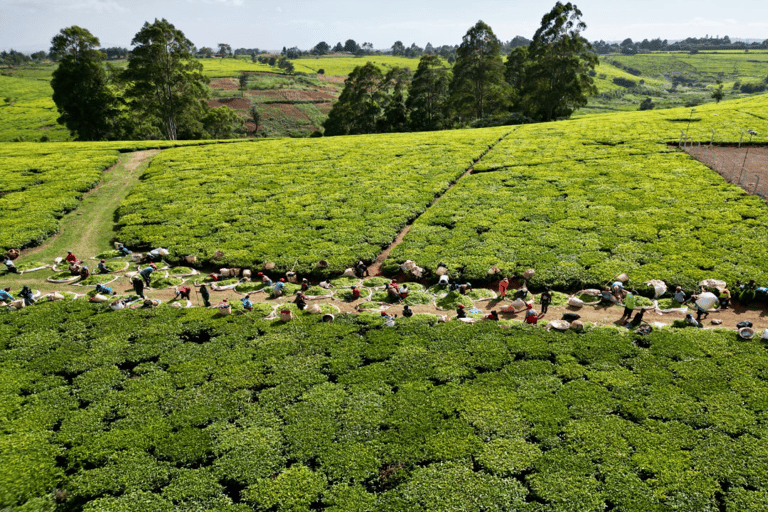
88 229
375 268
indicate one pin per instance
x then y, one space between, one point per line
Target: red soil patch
332 79
228 84
293 95
746 167
233 103
291 112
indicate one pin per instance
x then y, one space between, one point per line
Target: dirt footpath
600 316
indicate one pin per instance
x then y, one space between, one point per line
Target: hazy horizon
28 25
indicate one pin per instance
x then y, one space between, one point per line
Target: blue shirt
279 286
4 295
147 271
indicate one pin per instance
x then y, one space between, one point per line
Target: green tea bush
186 409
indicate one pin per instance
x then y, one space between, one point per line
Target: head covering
282 280
529 306
260 274
460 306
153 265
383 313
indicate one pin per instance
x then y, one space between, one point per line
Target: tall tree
398 48
428 97
394 87
225 50
556 78
321 48
478 88
165 80
81 91
358 108
351 46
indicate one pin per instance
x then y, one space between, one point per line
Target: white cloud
233 3
306 23
99 6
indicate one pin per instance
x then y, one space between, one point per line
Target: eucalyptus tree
165 81
552 77
478 89
87 105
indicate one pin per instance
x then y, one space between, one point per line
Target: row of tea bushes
652 216
188 410
294 202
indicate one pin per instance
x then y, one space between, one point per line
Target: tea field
580 201
673 79
294 202
602 200
187 410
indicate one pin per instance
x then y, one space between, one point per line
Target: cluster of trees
14 58
545 80
161 94
691 44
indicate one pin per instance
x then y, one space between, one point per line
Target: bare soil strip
746 166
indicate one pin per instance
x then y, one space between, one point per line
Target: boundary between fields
375 268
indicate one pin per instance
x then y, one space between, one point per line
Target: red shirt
71 258
356 293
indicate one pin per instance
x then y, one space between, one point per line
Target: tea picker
10 266
105 290
27 295
146 273
4 295
182 292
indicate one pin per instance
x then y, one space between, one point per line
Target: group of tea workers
614 294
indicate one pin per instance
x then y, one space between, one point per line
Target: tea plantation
183 409
600 195
187 410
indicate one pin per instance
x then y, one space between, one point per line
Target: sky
29 25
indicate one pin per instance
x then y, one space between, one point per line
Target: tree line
544 80
161 94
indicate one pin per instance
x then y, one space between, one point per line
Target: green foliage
478 89
371 102
43 182
185 409
547 214
166 83
553 80
87 104
262 207
296 488
428 96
